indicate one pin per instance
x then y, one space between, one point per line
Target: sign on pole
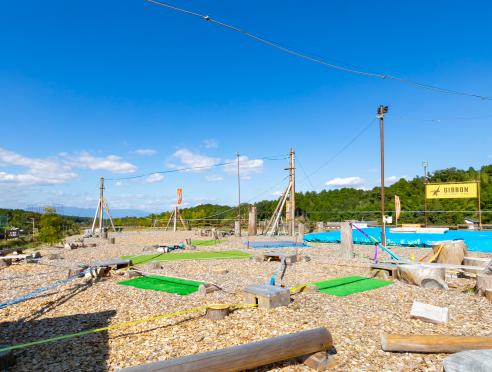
459 190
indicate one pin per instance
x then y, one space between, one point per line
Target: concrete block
429 313
266 296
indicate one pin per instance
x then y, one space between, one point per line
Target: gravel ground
355 321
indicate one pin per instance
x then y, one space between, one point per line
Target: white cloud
146 152
190 159
110 163
37 171
214 178
153 178
247 166
210 143
393 179
339 182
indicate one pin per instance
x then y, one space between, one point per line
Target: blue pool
479 241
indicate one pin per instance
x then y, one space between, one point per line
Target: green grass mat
164 284
206 243
176 256
348 285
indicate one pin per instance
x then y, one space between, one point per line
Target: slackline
177 256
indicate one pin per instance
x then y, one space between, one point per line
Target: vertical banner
397 207
179 196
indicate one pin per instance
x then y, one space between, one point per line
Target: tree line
350 203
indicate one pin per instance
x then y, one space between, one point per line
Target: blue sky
85 86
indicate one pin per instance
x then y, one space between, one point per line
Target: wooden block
116 264
217 312
429 313
74 271
488 294
268 296
320 361
206 288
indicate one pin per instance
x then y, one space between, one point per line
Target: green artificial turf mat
164 284
176 256
206 242
348 285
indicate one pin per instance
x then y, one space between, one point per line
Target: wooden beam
433 343
247 356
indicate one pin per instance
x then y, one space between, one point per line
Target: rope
119 325
393 256
29 295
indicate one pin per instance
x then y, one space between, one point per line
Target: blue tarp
276 244
479 241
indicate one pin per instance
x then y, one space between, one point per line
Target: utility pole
425 164
32 229
101 205
292 195
238 194
381 111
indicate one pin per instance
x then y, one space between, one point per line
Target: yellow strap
435 254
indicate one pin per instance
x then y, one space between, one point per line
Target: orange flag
179 196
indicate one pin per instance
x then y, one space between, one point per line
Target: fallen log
433 343
242 357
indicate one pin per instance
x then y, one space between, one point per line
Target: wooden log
433 343
484 282
488 294
452 252
346 240
427 276
301 231
217 312
237 228
252 221
247 356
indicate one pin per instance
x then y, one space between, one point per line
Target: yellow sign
451 190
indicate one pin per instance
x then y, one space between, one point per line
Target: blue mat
479 241
276 244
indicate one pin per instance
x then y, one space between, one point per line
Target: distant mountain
89 212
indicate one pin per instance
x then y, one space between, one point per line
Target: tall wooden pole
292 194
238 194
101 198
479 207
381 111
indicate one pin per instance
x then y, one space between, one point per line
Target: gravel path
355 321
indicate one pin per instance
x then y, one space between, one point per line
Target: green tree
50 228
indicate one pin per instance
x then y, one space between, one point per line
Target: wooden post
302 230
252 221
479 207
217 312
433 343
291 210
237 228
247 356
346 239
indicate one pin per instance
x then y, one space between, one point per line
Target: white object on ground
429 313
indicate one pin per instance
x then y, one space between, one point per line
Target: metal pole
101 198
381 111
425 164
238 194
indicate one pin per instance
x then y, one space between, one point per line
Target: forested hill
349 203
